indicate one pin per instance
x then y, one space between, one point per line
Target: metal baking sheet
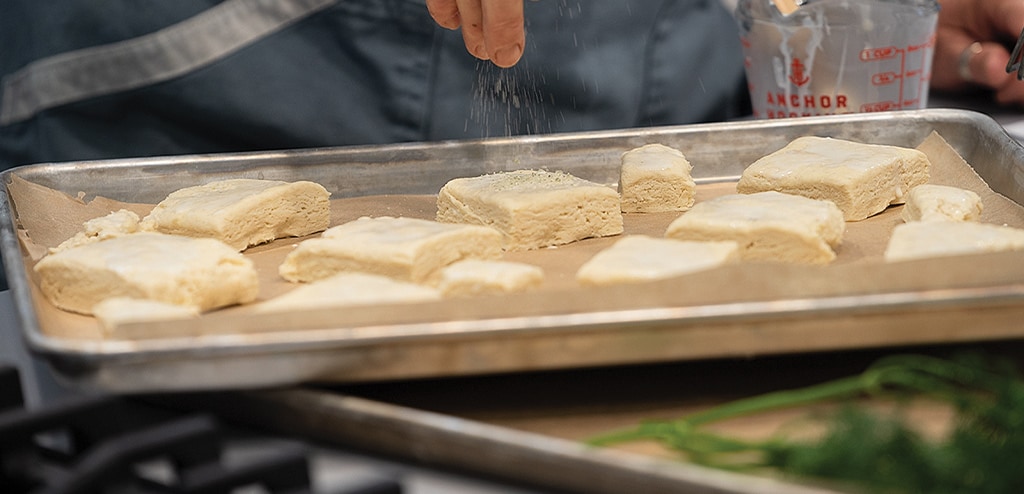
441 440
595 336
530 428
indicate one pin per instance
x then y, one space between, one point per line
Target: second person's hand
492 29
973 45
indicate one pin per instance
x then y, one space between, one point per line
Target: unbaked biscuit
408 249
930 202
483 277
532 208
349 289
116 311
201 272
862 179
768 226
116 224
923 239
655 178
638 258
243 212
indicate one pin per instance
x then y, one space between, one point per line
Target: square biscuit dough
639 258
768 226
201 272
532 208
243 212
862 179
486 277
117 311
655 178
930 202
115 224
924 239
408 249
349 289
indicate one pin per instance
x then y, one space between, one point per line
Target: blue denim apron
95 79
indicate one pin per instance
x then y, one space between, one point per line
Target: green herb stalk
984 453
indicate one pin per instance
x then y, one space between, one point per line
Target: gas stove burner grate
108 444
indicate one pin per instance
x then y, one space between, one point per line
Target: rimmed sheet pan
852 305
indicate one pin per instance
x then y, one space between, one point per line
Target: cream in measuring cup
837 56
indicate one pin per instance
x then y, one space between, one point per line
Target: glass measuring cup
837 56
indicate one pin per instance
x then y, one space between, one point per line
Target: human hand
492 29
972 47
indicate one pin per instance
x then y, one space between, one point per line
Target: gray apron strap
96 71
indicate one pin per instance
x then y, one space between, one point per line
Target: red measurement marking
927 44
884 78
874 54
880 106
